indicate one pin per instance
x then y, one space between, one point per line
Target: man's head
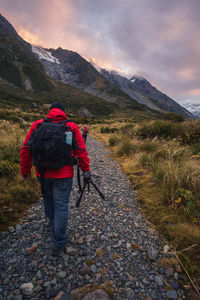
57 105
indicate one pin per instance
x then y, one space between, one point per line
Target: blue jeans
56 193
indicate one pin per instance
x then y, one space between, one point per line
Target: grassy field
162 160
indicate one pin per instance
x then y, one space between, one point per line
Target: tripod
86 184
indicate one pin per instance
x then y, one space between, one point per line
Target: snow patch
44 54
132 80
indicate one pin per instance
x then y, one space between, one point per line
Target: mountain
45 74
69 67
194 108
23 79
18 65
140 89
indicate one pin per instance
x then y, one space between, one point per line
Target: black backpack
48 146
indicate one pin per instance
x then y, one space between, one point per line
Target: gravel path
109 241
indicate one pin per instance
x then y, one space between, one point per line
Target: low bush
113 140
108 129
125 148
191 132
160 129
148 147
170 116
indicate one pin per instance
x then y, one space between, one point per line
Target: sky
156 39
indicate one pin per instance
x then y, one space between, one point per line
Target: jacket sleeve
25 156
80 150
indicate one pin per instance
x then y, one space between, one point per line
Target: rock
171 294
18 228
97 295
71 251
84 112
32 249
174 284
178 269
166 248
27 288
158 280
80 241
93 268
11 229
85 270
4 234
62 274
152 253
59 296
176 276
161 270
169 272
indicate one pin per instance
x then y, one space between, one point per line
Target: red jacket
66 171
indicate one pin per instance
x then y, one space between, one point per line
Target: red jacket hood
56 113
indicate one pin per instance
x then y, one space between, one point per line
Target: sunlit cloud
30 37
194 92
153 38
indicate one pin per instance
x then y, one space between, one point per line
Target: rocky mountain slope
140 89
70 67
18 65
23 79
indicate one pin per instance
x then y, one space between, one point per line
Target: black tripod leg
100 193
79 179
81 195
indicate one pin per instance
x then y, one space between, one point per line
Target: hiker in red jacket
56 183
85 131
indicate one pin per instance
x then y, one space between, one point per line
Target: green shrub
191 133
127 130
148 147
161 129
170 116
113 140
125 148
195 148
108 129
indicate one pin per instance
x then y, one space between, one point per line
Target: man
56 183
85 131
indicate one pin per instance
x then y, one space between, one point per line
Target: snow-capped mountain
141 90
194 108
44 54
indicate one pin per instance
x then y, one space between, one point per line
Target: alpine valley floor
110 246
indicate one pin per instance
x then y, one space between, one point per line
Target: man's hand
87 177
25 177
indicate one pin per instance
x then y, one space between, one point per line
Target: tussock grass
162 160
125 148
15 194
113 140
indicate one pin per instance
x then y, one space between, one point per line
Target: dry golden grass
167 177
15 194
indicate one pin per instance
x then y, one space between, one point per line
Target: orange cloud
194 92
186 73
30 37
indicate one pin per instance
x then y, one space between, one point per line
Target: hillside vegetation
162 161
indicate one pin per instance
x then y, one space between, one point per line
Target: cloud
153 38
